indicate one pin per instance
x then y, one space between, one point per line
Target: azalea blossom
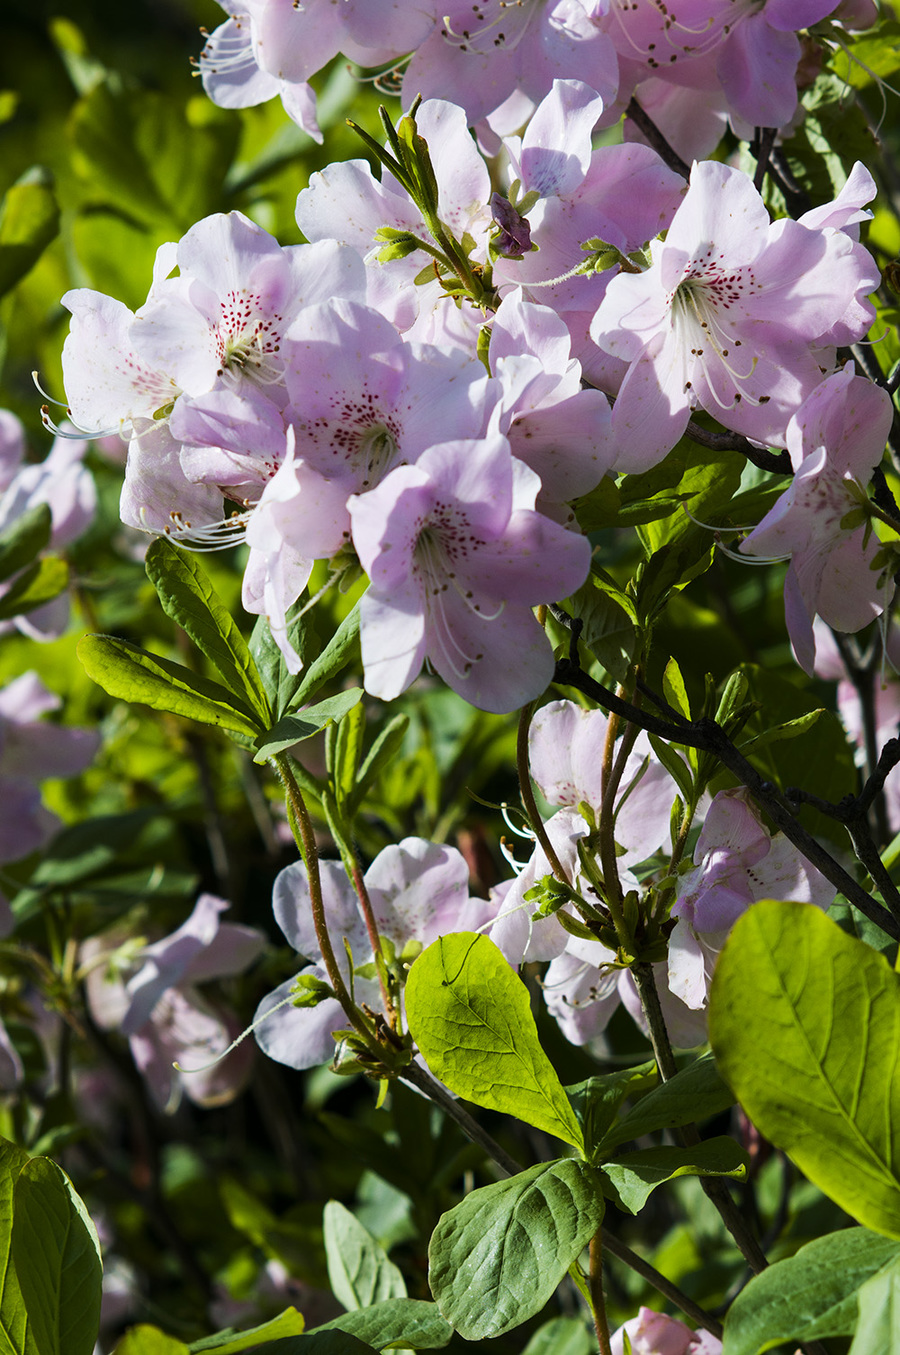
458 557
732 316
152 997
835 440
653 1333
737 861
418 891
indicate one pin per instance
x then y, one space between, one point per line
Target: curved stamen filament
514 15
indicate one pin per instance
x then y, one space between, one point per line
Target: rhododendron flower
727 317
483 53
418 891
457 559
835 440
653 1333
164 1016
737 862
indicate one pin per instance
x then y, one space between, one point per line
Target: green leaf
56 1253
693 1094
15 1335
39 583
410 1323
144 1340
810 1296
130 673
335 656
608 630
348 745
676 766
321 1342
292 729
470 1015
288 1323
788 730
596 1101
674 689
878 1327
562 1336
188 597
496 1258
21 541
281 686
29 220
380 755
633 1176
358 1267
805 1025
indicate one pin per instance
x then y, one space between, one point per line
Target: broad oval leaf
358 1267
496 1258
130 673
878 1324
408 1323
470 1015
188 597
56 1253
146 1340
810 1296
633 1176
805 1026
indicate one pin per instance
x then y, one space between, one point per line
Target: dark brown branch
761 147
779 463
655 138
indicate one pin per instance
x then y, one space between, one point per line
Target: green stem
301 827
598 1302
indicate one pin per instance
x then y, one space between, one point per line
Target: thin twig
655 138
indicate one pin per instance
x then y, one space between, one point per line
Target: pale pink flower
653 1333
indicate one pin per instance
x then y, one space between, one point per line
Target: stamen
254 1025
487 37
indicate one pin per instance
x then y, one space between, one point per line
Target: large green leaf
292 729
57 1257
358 1266
810 1296
805 1026
288 1323
29 220
320 1342
410 1323
23 538
15 1336
633 1176
130 673
496 1258
562 1336
470 1015
188 597
695 1093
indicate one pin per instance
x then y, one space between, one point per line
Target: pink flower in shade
835 440
457 558
486 52
728 317
653 1333
418 890
737 862
165 1018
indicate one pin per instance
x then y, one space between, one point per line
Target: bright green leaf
810 1296
470 1015
131 674
188 597
596 1101
805 1026
15 1336
633 1176
383 751
292 729
562 1336
358 1267
144 1340
288 1323
674 689
321 1342
29 220
348 745
496 1258
56 1253
410 1323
